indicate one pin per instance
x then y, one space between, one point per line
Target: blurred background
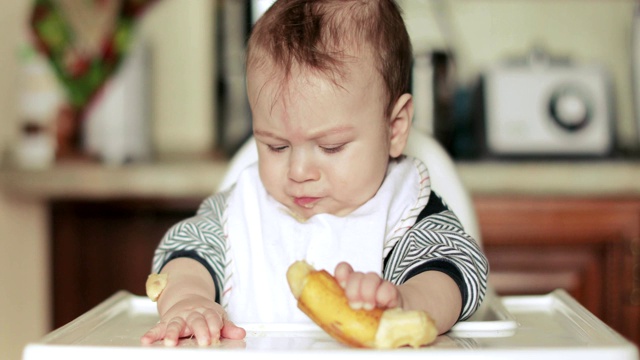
118 117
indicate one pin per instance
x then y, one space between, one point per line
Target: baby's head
323 35
328 82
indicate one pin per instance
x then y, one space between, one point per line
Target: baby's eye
332 149
277 148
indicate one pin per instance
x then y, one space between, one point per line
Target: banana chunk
321 297
155 285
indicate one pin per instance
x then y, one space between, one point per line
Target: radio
541 108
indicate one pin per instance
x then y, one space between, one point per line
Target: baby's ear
400 124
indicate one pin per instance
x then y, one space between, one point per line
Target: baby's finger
214 323
175 328
232 331
342 272
154 334
198 325
368 290
352 290
387 295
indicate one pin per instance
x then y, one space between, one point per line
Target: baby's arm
437 294
430 291
187 307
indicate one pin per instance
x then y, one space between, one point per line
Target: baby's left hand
367 290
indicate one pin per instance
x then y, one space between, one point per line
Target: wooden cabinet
590 247
100 247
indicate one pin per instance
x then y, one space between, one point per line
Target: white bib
264 239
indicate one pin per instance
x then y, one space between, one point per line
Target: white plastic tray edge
61 342
504 321
72 353
581 319
91 319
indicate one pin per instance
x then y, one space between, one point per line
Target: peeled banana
321 297
155 285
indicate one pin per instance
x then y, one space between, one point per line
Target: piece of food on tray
155 284
323 300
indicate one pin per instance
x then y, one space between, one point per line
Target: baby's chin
302 214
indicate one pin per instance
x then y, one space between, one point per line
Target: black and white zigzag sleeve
200 238
438 242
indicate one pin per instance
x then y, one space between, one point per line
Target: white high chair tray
552 326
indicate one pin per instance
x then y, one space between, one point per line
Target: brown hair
317 34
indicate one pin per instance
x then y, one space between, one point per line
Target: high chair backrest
445 180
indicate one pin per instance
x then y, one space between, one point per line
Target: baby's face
322 148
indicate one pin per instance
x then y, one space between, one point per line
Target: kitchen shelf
94 181
200 177
552 178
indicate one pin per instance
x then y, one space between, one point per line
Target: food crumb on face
299 218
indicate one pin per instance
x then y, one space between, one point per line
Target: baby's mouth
306 202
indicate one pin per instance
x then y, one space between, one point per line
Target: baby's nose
302 167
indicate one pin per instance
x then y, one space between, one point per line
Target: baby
327 82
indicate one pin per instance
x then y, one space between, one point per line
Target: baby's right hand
367 290
194 316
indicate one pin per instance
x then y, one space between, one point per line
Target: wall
181 38
484 32
24 264
23 225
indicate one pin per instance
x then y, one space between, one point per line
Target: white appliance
542 108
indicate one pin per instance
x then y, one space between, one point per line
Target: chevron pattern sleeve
438 242
201 238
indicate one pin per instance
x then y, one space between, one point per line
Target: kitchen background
179 39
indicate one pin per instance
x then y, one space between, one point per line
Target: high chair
445 180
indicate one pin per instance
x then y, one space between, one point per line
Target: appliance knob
570 108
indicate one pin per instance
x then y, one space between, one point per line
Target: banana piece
321 297
155 285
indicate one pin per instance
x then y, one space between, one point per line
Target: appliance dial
570 107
